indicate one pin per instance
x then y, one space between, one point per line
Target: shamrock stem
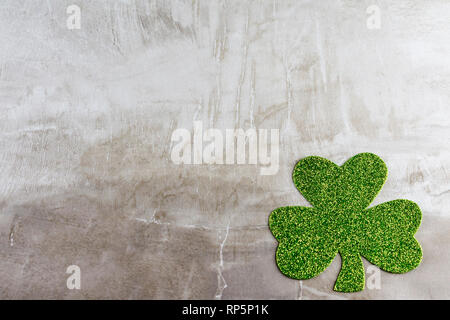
351 277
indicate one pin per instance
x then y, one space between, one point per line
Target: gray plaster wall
86 176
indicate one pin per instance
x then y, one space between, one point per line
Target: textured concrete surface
87 115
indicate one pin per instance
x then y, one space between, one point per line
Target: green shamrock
310 237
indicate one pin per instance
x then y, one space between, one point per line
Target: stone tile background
87 116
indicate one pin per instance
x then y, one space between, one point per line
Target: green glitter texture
310 237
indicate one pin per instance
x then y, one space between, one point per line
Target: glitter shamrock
339 222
